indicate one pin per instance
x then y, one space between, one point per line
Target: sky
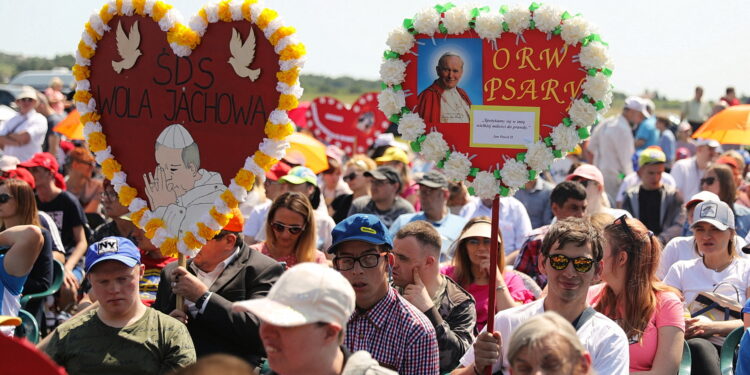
665 45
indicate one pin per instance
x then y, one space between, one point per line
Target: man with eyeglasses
223 272
22 135
384 200
384 324
433 195
571 259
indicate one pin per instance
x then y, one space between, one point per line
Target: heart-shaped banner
183 119
351 129
494 97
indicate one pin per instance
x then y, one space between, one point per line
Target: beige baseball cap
306 293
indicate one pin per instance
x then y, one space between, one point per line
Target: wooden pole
182 262
492 271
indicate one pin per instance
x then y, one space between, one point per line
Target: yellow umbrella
312 149
730 126
71 126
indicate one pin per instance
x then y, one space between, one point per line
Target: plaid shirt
397 335
528 257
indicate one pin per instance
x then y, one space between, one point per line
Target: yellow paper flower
264 161
82 96
81 72
191 242
136 217
152 225
281 33
183 35
289 77
266 16
225 14
229 199
205 232
294 51
219 217
90 117
97 141
288 102
279 132
202 14
160 9
118 4
110 167
126 195
169 248
92 33
140 6
85 50
105 15
245 179
246 8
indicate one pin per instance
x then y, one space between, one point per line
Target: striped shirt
396 334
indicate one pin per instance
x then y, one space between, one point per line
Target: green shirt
155 344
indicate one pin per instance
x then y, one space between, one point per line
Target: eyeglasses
293 229
351 176
4 198
580 264
708 180
346 263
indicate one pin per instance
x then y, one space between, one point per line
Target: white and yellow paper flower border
491 26
183 39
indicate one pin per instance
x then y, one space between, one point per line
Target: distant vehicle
39 79
9 93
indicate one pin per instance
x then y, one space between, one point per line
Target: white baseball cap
306 293
716 213
637 104
701 197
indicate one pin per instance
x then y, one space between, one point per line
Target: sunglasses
293 229
365 261
4 198
351 176
708 180
621 221
583 182
580 264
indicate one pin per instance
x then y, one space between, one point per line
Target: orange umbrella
312 149
71 126
730 126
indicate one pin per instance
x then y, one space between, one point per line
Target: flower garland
490 26
183 39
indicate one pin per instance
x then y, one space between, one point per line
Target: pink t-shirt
290 260
668 313
481 293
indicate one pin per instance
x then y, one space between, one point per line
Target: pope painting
180 191
444 101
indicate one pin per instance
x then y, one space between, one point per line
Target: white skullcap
175 136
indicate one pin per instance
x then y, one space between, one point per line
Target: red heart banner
351 129
494 97
183 119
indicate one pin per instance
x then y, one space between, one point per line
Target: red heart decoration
351 129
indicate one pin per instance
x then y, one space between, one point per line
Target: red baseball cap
19 174
41 159
278 171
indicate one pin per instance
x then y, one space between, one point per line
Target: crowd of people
608 263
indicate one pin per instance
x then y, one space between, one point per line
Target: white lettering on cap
107 245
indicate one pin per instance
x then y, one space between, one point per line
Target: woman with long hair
290 231
719 179
471 263
354 170
648 311
81 182
720 270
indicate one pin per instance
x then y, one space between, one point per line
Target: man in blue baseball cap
121 334
384 324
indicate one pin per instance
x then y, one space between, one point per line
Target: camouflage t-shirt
155 344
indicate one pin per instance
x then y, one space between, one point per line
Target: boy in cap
397 335
121 335
433 196
223 272
657 205
303 323
384 200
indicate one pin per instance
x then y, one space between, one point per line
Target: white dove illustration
127 47
243 55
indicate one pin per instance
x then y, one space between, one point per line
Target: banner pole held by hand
492 271
182 262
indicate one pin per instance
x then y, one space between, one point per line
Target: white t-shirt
515 224
692 277
32 123
687 177
602 337
682 248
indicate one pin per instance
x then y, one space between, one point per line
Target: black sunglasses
583 182
621 221
351 176
580 264
708 180
346 263
293 229
4 198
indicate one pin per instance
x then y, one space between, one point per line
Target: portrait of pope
443 101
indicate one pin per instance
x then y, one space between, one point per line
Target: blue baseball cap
360 227
113 248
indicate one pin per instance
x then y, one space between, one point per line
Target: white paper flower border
448 19
183 39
